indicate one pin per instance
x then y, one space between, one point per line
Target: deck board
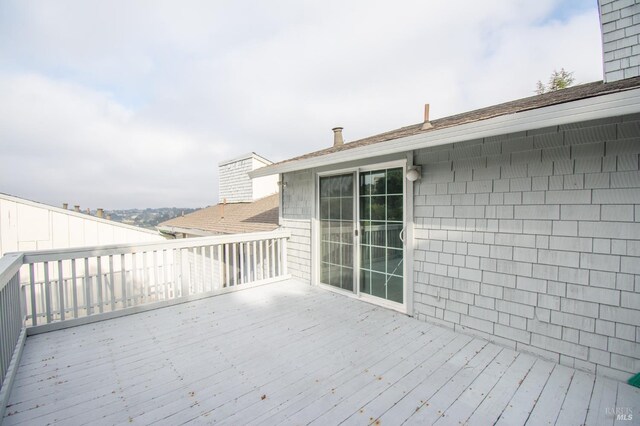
289 353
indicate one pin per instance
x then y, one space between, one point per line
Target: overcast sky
121 104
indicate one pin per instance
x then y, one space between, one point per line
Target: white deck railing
45 290
75 283
11 316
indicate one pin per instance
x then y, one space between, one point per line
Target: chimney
234 182
100 213
620 48
337 136
65 206
426 123
76 208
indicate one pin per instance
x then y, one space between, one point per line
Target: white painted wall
27 225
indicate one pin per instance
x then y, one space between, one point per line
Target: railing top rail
9 264
82 252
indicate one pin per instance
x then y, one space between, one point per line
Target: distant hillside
146 218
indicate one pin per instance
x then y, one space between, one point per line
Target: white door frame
407 305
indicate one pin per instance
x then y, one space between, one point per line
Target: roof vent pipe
65 206
76 208
426 124
337 136
100 213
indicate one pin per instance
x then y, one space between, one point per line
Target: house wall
620 22
234 183
236 186
532 240
26 225
296 213
263 186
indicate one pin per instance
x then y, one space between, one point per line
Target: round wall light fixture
414 173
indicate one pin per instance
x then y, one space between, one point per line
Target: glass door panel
336 231
382 222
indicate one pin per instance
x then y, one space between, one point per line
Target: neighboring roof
231 218
581 92
244 157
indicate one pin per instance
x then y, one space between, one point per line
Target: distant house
246 205
28 225
519 222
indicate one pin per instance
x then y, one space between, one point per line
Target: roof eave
608 105
181 230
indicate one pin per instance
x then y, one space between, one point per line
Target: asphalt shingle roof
575 93
232 218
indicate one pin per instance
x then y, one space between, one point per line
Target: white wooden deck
288 353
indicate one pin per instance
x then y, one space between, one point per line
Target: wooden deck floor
288 353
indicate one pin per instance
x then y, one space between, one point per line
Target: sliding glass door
367 259
381 222
336 231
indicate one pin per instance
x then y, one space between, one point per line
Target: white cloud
134 103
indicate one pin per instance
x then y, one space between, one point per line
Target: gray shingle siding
535 244
296 216
620 21
235 185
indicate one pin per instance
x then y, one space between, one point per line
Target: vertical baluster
234 274
227 263
123 279
193 288
241 272
32 285
211 264
165 275
112 284
276 257
155 274
74 288
220 266
273 258
267 261
88 296
285 267
145 273
61 291
99 283
261 260
47 293
254 263
134 277
203 260
179 277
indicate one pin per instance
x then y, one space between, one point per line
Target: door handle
402 235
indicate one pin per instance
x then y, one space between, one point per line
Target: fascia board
620 103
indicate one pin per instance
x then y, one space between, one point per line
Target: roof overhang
178 230
603 106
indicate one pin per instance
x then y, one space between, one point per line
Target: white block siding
620 21
26 225
532 240
296 212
